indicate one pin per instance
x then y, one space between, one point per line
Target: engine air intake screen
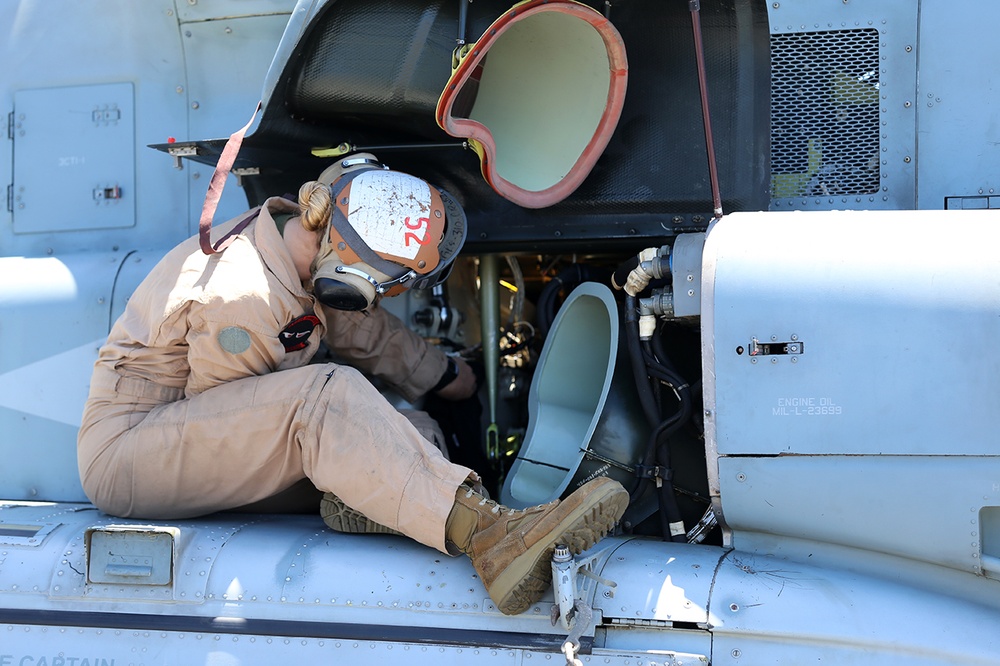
825 113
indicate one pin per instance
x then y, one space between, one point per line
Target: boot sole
341 518
529 575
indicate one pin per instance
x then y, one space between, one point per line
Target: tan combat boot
511 550
342 518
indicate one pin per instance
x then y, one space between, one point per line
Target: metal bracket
571 583
658 472
177 152
244 171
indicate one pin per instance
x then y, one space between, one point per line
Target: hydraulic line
699 52
639 370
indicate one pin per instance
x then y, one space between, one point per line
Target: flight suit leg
249 439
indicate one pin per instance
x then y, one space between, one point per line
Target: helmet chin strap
380 287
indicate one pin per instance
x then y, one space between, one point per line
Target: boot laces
495 507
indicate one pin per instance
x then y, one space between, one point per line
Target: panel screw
736 652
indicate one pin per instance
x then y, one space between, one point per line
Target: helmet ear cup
339 295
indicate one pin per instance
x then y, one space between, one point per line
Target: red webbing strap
215 187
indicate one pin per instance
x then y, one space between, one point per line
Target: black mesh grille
824 113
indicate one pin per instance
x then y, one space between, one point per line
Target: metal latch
107 193
775 348
131 554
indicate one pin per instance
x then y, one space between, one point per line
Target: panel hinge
10 198
10 125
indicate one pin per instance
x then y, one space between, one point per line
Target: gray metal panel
769 611
227 61
40 52
52 329
231 568
193 11
957 106
660 581
925 508
75 145
34 645
895 319
896 23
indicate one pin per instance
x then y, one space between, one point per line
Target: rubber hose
620 275
639 370
667 496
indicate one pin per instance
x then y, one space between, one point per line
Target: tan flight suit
381 346
196 406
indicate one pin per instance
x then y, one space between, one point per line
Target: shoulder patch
295 336
234 339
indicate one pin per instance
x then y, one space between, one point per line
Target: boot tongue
463 521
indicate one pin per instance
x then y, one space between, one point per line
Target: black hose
658 448
620 275
567 279
639 369
666 495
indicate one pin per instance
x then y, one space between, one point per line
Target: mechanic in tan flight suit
203 398
376 342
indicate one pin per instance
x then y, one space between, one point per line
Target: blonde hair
315 205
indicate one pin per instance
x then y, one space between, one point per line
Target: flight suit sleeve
377 343
222 350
